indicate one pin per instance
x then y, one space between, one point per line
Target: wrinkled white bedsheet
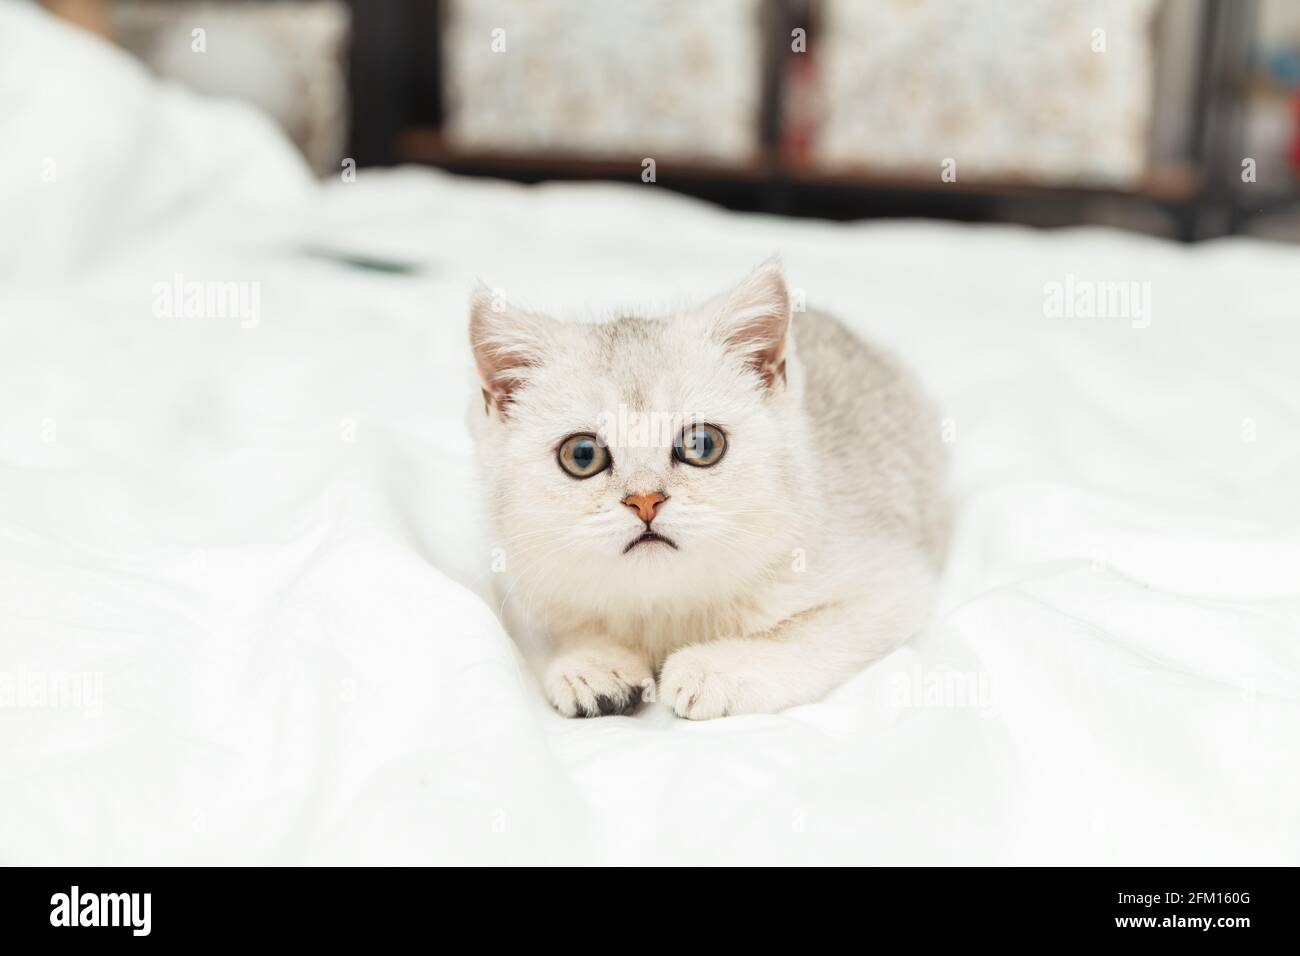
256 546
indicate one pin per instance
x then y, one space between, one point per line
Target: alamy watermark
129 910
206 299
629 428
1076 298
920 687
52 690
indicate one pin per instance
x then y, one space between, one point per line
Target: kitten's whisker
547 573
566 532
518 576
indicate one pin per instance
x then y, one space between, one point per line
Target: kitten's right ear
753 320
507 342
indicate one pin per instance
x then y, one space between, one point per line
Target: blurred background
1173 117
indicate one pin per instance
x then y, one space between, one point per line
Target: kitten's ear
507 342
753 320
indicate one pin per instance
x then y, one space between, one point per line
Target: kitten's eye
700 445
583 456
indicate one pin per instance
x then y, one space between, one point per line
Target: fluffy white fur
807 552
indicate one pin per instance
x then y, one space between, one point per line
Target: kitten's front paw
597 682
704 681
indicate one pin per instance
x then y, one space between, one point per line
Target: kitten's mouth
649 537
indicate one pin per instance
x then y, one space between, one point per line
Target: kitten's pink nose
645 504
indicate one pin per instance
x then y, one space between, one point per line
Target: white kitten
748 514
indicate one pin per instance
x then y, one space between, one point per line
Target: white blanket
245 591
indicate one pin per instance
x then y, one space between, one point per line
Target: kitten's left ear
753 321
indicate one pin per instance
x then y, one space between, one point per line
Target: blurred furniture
284 56
825 108
1053 92
673 79
405 111
1266 88
89 14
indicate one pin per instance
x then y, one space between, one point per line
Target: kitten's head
643 461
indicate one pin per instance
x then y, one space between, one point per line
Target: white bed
256 544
